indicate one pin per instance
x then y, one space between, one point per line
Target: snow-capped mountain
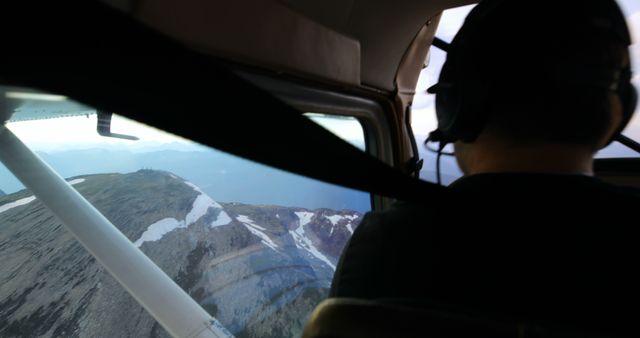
259 269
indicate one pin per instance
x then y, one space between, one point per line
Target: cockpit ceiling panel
356 42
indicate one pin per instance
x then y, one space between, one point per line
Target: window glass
345 127
423 113
255 246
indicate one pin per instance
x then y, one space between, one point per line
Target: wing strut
171 306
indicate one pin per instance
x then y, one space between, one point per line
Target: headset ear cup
632 102
462 110
447 113
629 97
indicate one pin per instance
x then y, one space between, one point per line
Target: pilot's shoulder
621 193
401 215
632 192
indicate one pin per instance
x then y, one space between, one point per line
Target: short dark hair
552 84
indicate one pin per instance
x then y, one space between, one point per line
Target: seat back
345 317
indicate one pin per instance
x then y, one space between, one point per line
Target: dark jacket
559 248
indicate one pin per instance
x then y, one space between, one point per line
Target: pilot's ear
615 120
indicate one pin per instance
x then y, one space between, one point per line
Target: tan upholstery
344 317
336 318
354 318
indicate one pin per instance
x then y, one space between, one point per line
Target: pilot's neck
549 159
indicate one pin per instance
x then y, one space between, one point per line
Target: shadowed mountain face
2 193
258 269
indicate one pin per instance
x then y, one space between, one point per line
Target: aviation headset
460 100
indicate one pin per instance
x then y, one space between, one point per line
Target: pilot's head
534 75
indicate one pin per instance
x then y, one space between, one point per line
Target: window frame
371 109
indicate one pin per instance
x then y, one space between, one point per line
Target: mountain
2 193
222 176
259 269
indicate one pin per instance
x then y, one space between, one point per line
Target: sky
424 120
79 132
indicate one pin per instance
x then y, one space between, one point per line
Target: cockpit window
256 247
423 115
346 127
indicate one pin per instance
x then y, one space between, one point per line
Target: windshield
256 247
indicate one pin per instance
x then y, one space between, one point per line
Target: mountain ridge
222 176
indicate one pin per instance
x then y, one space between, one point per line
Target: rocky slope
258 269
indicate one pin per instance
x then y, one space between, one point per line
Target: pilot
529 92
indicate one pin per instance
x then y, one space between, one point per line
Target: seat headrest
346 317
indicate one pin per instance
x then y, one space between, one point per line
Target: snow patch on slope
200 207
27 200
334 219
303 242
77 181
223 219
158 229
304 217
17 203
348 225
257 230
